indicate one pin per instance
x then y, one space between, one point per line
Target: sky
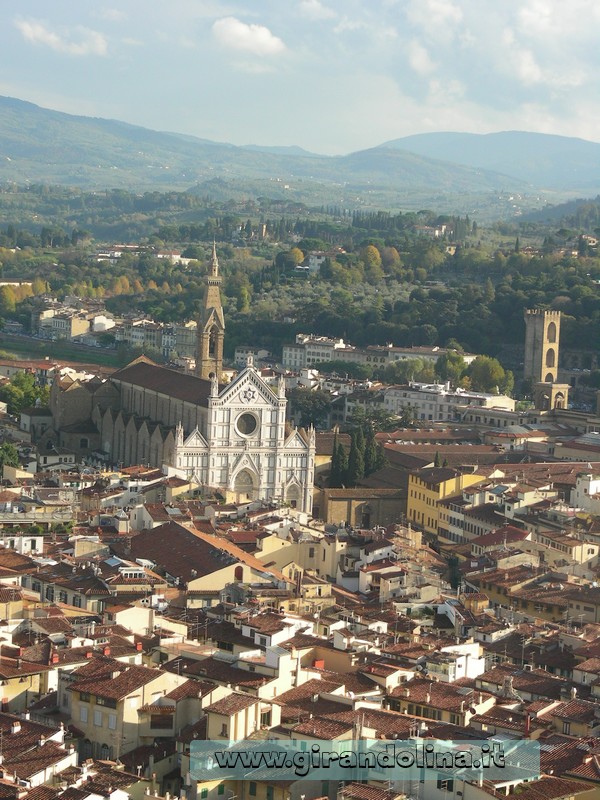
331 76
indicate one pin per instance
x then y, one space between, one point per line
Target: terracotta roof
220 672
548 788
190 554
361 791
108 678
232 704
175 384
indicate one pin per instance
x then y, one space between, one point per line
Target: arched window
212 342
550 358
552 332
549 378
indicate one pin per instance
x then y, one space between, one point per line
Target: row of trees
365 457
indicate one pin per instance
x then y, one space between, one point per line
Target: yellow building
108 699
426 487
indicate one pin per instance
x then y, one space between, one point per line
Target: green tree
313 406
488 375
374 455
9 456
356 459
339 465
22 391
450 367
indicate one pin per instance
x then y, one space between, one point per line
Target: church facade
231 438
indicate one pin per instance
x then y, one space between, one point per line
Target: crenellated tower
540 367
211 325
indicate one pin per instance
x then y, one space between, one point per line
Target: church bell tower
211 325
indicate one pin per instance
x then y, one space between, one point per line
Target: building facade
231 438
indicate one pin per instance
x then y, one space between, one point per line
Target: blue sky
332 76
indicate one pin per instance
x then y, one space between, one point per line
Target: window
161 722
269 793
247 424
252 789
98 719
204 793
566 728
106 701
445 785
224 729
83 714
112 721
221 789
84 697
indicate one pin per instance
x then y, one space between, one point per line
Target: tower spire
211 324
214 261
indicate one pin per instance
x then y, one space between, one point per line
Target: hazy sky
332 76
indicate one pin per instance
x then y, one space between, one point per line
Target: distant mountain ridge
448 171
544 160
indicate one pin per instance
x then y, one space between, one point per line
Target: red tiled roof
179 385
232 704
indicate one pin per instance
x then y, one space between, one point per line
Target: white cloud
347 24
238 35
111 14
314 9
78 41
419 59
435 16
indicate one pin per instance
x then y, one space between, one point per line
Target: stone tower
542 336
211 325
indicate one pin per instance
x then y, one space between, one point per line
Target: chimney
106 650
138 647
54 658
89 654
15 726
527 725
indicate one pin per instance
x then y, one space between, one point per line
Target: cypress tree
342 460
370 454
336 476
356 459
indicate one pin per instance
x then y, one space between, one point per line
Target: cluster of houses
455 602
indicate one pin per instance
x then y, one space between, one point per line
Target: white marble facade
247 450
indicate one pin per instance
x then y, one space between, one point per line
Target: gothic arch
552 332
550 358
245 484
293 495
